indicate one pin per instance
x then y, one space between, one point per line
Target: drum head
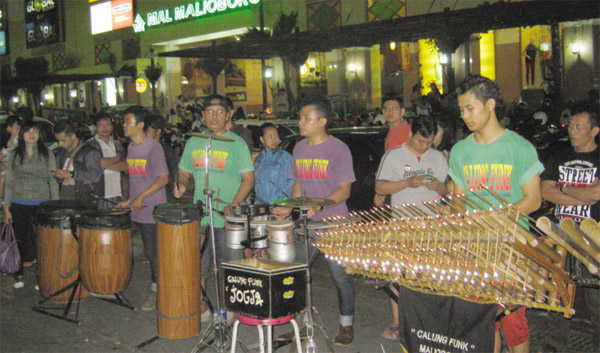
174 213
60 213
281 224
106 219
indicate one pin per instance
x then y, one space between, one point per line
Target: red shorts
515 328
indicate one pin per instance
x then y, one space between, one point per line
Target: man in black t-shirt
570 181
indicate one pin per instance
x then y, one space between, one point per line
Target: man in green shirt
503 161
231 177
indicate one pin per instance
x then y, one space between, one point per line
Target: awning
49 79
450 27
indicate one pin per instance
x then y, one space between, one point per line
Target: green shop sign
189 11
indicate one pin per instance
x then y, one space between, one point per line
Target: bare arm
532 196
109 161
120 166
181 184
158 183
587 194
245 188
551 192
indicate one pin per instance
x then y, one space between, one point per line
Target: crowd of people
421 162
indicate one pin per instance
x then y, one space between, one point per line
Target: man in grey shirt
413 172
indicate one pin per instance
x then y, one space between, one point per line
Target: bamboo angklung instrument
454 246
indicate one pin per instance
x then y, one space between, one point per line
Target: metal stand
119 299
219 329
73 286
310 325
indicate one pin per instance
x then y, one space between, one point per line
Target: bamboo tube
569 227
565 241
591 229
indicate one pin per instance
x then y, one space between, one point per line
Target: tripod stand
310 327
218 328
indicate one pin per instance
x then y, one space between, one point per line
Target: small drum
258 236
178 253
58 247
281 239
236 231
105 250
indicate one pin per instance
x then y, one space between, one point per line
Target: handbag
10 260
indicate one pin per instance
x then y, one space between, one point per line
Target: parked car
285 128
366 145
46 126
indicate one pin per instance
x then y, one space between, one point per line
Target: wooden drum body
58 249
105 250
178 253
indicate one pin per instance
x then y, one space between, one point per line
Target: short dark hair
222 101
482 87
156 122
424 125
393 97
321 105
139 113
265 126
102 116
66 126
591 111
13 119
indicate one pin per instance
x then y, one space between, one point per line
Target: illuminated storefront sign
41 22
2 43
189 11
141 85
111 15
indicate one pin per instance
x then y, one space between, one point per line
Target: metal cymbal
303 202
209 135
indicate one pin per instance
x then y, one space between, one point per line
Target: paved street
105 327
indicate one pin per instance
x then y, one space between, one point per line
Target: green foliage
153 73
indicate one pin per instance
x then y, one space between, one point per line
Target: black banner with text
443 324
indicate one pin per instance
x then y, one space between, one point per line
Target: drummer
322 168
231 177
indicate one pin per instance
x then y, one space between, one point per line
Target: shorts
515 327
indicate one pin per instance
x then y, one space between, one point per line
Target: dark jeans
148 233
530 71
342 280
224 253
23 225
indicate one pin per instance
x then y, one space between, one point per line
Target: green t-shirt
503 165
227 162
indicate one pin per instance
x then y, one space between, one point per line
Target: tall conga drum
105 250
58 247
178 252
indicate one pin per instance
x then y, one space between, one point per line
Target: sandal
391 333
29 263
